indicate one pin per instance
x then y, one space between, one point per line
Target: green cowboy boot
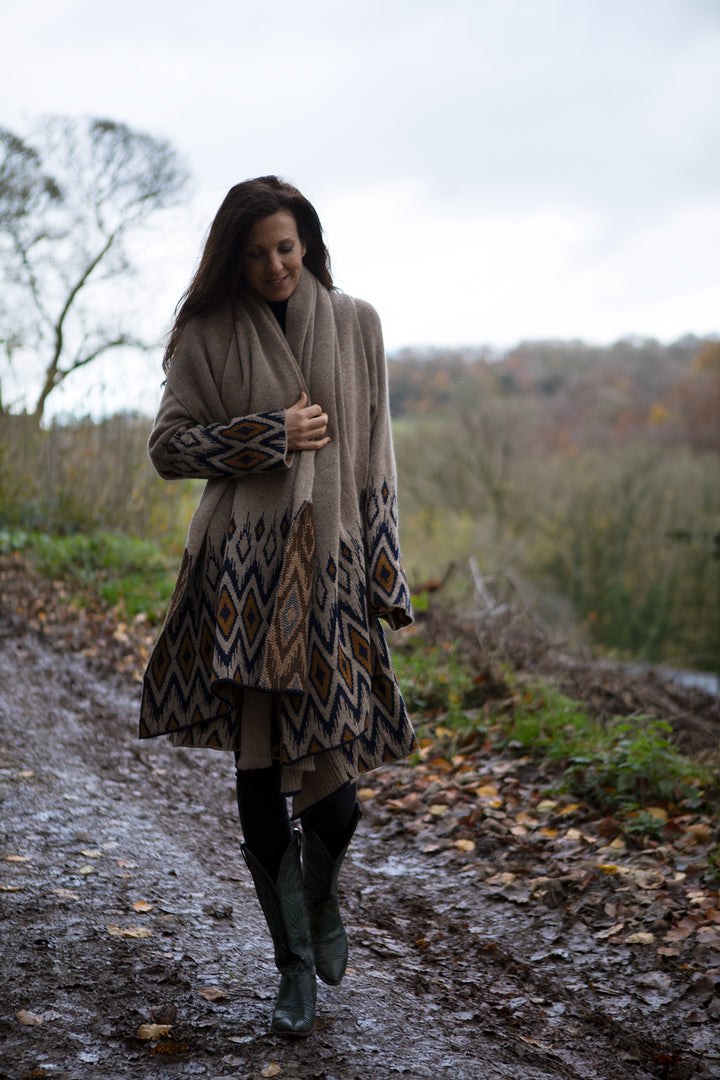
320 875
285 909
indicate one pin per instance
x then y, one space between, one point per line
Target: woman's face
272 260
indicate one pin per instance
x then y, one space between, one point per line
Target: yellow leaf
608 868
440 731
130 931
91 853
26 774
271 1070
438 809
617 844
658 812
701 831
142 905
524 818
550 833
87 869
465 845
642 937
546 805
573 834
570 808
153 1031
487 791
17 858
366 793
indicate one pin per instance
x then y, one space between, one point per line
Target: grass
126 573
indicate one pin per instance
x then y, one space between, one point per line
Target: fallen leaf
91 853
29 1019
142 906
87 869
573 834
699 832
66 894
17 858
441 765
26 774
212 993
487 791
658 812
549 833
437 809
534 1042
130 931
271 1070
603 935
124 865
153 1031
640 937
464 845
688 925
569 809
546 805
709 935
608 868
366 793
524 818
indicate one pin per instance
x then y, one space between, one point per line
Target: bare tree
70 195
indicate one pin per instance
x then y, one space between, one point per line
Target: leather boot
320 875
285 909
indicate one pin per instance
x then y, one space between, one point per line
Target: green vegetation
130 575
623 767
590 476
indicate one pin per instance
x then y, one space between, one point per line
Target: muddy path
124 902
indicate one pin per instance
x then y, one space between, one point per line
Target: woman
276 395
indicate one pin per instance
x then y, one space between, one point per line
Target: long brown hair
218 276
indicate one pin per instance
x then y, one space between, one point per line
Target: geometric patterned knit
291 558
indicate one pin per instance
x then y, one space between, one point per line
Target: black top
279 310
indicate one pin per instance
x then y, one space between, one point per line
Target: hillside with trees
589 476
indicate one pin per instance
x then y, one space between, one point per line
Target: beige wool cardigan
272 645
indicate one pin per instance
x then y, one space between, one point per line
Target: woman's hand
306 426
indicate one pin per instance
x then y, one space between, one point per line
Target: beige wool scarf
272 646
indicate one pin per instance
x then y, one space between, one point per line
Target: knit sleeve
249 444
388 589
193 436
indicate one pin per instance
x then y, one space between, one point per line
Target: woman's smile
272 260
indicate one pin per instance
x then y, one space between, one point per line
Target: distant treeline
589 395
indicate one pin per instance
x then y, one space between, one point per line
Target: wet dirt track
448 977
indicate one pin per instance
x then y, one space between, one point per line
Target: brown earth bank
494 932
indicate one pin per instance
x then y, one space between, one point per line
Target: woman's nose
275 262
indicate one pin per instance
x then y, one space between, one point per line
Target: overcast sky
487 171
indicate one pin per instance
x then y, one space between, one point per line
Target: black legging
266 824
